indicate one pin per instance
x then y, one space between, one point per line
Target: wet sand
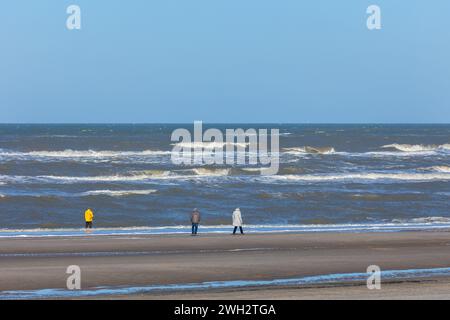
29 264
419 289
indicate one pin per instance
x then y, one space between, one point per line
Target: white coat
237 218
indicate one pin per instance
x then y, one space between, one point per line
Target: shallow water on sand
302 281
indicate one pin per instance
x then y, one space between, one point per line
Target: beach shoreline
411 289
143 261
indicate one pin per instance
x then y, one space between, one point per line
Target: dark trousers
194 228
240 228
88 225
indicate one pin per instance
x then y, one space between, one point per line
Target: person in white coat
237 221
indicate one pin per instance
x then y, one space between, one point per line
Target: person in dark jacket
195 220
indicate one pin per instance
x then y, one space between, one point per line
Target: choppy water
330 175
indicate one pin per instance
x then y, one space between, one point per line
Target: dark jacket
195 217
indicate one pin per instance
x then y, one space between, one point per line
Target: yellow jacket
89 215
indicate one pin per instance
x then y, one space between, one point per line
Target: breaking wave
363 177
100 178
199 173
117 193
208 145
417 147
211 172
444 169
82 154
135 176
434 220
55 195
153 173
96 155
405 150
311 150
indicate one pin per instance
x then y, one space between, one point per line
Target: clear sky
225 61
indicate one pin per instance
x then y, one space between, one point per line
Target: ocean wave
239 173
68 153
78 179
117 193
362 177
135 176
417 147
57 136
209 145
91 193
124 178
310 150
391 154
183 173
211 172
97 155
444 169
399 150
153 173
253 170
424 220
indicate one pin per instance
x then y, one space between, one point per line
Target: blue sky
225 61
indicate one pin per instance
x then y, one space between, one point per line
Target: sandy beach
125 261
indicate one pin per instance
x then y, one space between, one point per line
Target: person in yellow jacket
89 217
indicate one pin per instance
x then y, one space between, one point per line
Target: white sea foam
209 145
417 147
125 178
200 173
111 193
117 193
82 154
211 172
425 223
445 169
431 220
78 179
251 169
400 150
152 173
310 150
135 176
363 176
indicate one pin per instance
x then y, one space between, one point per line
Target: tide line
301 281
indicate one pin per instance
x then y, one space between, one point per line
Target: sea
332 178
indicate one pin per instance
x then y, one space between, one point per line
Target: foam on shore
417 224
